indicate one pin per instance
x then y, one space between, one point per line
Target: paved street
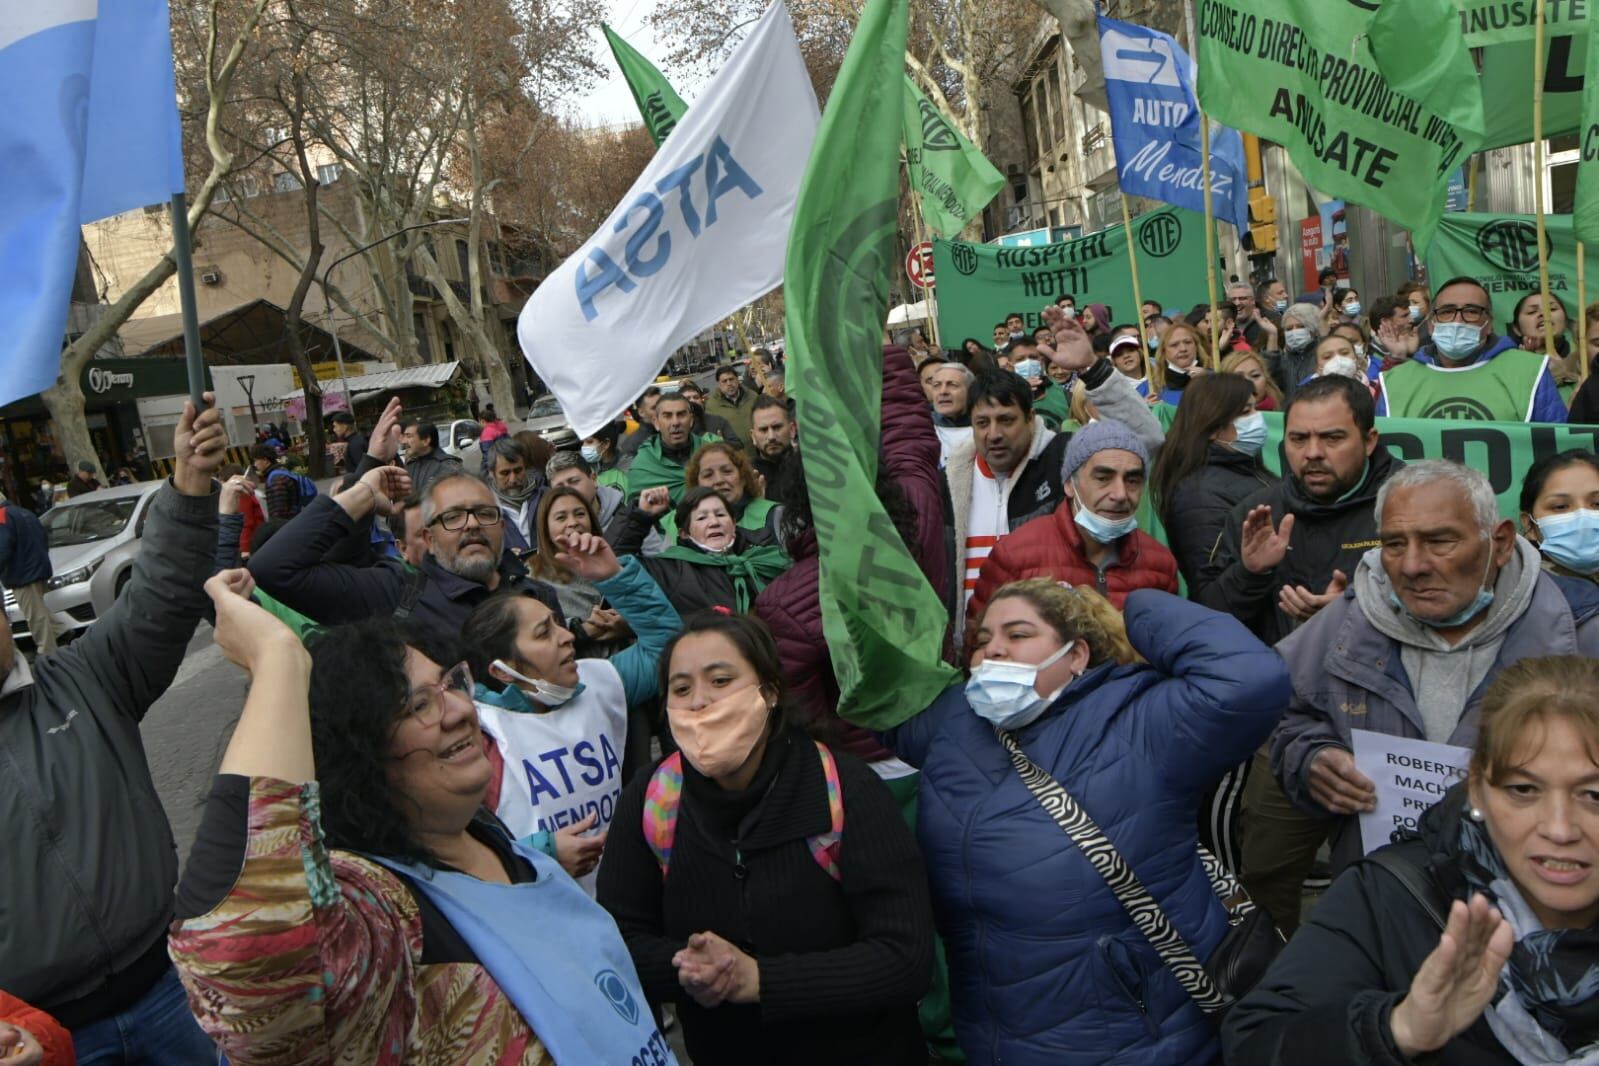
187 730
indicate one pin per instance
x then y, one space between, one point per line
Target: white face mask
1005 693
551 695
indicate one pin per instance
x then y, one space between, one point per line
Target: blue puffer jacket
24 548
1046 968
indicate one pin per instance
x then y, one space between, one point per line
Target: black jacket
1326 537
842 963
1196 515
89 864
1327 998
690 587
1585 403
780 473
292 568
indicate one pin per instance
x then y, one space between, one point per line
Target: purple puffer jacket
791 607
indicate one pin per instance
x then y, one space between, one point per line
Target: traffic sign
919 265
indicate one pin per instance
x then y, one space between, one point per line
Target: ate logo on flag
936 134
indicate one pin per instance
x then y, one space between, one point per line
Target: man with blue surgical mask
1092 539
1450 597
1468 372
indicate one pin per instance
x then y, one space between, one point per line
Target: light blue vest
557 956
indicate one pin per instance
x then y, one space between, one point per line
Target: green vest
753 520
1499 390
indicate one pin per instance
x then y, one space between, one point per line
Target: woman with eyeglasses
1468 372
348 899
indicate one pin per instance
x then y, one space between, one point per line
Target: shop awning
431 376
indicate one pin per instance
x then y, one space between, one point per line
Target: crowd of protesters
548 762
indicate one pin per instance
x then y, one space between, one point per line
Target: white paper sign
1410 775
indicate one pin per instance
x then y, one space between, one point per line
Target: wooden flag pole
927 290
1138 294
1538 172
1210 239
1582 315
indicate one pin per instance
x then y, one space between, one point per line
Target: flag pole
927 287
1537 187
1210 238
1582 315
183 254
1138 295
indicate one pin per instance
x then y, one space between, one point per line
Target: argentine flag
89 129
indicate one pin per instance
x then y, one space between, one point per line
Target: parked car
93 540
548 420
459 439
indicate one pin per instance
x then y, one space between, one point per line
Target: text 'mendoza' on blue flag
1154 115
90 129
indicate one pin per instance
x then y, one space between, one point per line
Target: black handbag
1245 952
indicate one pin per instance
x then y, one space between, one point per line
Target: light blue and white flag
1154 118
89 129
702 232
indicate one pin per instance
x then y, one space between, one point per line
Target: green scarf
749 569
651 469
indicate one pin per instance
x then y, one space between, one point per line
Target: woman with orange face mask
767 886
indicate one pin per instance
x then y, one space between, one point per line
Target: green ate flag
1302 73
657 101
1501 251
883 621
1503 33
953 178
1585 214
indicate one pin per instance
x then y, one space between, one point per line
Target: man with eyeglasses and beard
1466 371
462 529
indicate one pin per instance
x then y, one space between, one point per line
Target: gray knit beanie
1100 436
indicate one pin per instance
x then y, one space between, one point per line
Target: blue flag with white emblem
90 130
1154 118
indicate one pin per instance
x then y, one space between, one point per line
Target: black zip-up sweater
842 963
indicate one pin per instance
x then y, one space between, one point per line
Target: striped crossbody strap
1135 899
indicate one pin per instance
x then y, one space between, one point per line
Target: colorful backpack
664 795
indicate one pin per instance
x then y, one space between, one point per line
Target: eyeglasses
1470 314
426 702
454 519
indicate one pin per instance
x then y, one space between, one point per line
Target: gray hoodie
1443 676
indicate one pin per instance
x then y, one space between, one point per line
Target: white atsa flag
702 233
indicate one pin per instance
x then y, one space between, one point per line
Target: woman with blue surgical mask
1136 724
1560 512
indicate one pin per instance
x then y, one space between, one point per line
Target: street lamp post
247 383
338 349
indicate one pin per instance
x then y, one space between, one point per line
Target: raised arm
1223 690
133 651
640 602
289 954
291 568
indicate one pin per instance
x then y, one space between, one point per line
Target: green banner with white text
979 284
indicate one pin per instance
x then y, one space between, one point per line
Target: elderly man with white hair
1451 596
